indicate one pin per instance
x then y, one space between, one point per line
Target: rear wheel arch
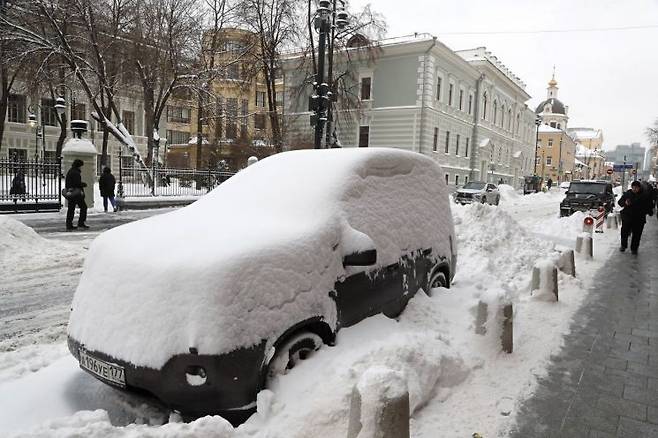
443 267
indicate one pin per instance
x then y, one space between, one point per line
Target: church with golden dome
552 111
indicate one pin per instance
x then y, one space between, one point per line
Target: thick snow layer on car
257 254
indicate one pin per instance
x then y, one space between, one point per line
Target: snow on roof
584 133
547 128
79 146
221 273
580 163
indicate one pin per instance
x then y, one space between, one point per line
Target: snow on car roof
267 242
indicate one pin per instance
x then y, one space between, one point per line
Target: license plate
110 372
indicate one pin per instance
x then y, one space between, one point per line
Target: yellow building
556 155
234 106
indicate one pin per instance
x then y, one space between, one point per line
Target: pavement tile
630 428
621 407
641 395
652 415
593 433
615 363
644 370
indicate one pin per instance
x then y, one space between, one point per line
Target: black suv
588 195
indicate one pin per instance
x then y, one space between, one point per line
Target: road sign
610 171
621 167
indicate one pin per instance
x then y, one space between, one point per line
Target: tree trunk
149 122
4 100
106 138
271 103
199 131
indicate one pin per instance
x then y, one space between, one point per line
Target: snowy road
459 382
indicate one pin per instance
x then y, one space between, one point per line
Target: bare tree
652 133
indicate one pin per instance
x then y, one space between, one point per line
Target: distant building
633 154
464 109
591 138
590 157
552 111
556 155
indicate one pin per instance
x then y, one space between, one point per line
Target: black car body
333 268
587 195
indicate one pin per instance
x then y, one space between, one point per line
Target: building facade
464 109
556 154
629 154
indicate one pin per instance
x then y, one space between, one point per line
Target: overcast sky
609 79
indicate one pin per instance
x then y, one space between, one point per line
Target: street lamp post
40 129
537 123
327 20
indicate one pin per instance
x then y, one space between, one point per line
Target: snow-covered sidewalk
460 382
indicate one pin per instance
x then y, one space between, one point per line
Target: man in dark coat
18 186
106 185
633 216
549 183
75 184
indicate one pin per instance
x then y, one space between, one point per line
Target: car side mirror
361 258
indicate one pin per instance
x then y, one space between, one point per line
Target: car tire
497 201
484 200
293 351
438 279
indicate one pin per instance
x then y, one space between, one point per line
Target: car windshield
587 188
474 185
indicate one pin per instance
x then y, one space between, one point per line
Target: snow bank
17 237
266 243
508 192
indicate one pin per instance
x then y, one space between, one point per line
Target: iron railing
134 181
30 185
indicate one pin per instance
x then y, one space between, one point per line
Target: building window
365 88
48 112
259 121
451 87
470 104
484 107
461 100
518 123
439 83
502 116
509 120
466 179
233 71
364 136
457 145
552 124
549 161
550 142
231 118
495 112
468 141
16 108
78 111
129 121
49 157
436 139
456 180
260 99
17 154
177 137
178 114
447 150
447 179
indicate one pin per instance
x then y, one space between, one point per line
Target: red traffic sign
609 171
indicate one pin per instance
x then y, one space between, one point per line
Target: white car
203 305
477 191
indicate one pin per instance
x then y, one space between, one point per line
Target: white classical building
464 109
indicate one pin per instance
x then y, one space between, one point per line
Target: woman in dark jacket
106 184
75 186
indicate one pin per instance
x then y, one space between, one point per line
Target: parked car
477 191
531 184
203 306
587 195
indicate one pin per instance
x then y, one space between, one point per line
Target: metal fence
134 181
30 185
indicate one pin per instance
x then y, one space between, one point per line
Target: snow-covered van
201 306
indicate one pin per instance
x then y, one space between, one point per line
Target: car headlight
477 195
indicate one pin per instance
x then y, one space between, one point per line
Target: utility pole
623 174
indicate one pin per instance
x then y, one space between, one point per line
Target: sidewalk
604 382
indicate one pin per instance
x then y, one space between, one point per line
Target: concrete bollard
544 281
611 222
507 335
481 318
380 405
585 246
567 262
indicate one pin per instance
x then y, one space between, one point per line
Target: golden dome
552 82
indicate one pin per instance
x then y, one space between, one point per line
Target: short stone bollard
567 262
544 281
380 405
585 245
507 335
611 222
481 318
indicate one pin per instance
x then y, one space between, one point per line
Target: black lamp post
537 123
40 130
328 18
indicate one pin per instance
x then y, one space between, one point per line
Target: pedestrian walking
106 184
549 183
633 216
75 194
18 186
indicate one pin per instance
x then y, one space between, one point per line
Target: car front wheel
483 199
292 352
438 279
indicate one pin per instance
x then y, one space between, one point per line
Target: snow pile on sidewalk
508 192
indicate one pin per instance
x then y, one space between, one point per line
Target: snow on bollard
252 160
567 262
507 335
544 281
611 222
379 406
585 245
